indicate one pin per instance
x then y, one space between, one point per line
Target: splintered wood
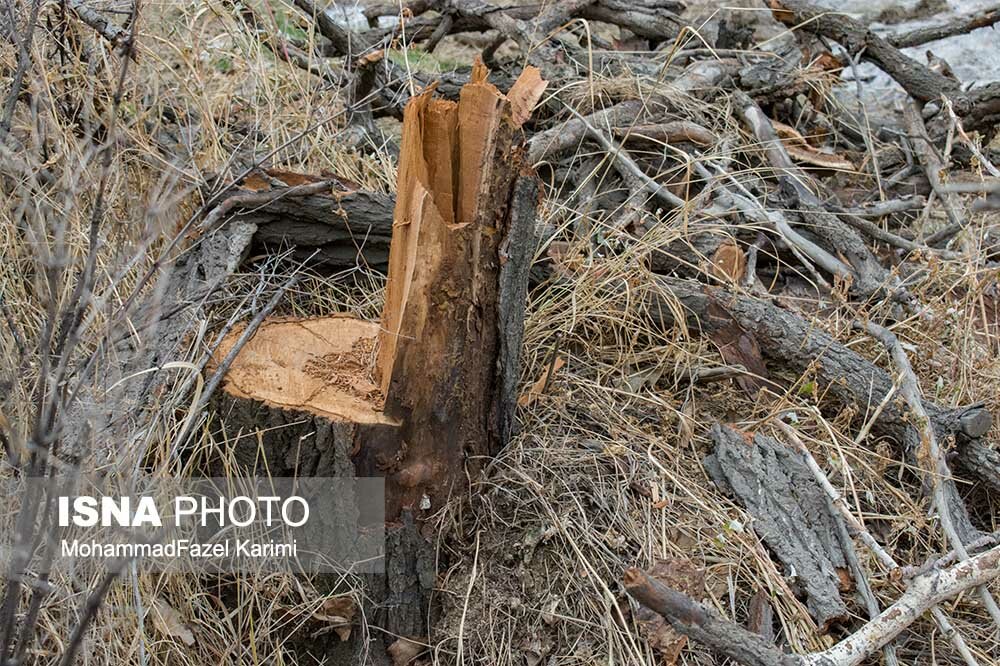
453 181
419 397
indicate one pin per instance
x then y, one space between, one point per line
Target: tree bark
790 513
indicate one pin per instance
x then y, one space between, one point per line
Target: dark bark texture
335 232
790 513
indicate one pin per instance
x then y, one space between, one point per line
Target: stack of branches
751 200
785 194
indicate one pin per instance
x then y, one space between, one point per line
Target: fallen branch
789 513
933 166
869 276
883 208
338 36
843 376
855 528
978 107
951 511
728 638
113 34
950 28
701 75
627 167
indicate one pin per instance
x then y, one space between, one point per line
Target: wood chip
525 93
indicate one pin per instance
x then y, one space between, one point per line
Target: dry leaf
827 62
738 347
799 149
168 622
536 389
404 650
729 262
337 613
256 182
525 93
679 574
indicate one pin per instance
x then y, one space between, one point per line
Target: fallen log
847 379
338 228
422 397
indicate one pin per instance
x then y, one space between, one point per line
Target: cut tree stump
423 397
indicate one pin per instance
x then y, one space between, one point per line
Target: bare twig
938 477
969 143
113 34
23 58
629 170
883 208
933 166
728 638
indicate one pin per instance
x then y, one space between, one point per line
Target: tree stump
426 395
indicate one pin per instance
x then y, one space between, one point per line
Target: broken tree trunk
423 397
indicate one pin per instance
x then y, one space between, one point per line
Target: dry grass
606 472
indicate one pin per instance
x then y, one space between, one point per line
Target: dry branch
840 239
933 166
855 528
113 34
933 467
725 637
979 107
703 75
949 28
790 343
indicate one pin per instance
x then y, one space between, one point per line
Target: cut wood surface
324 366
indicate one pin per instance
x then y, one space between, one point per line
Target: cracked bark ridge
335 232
790 513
